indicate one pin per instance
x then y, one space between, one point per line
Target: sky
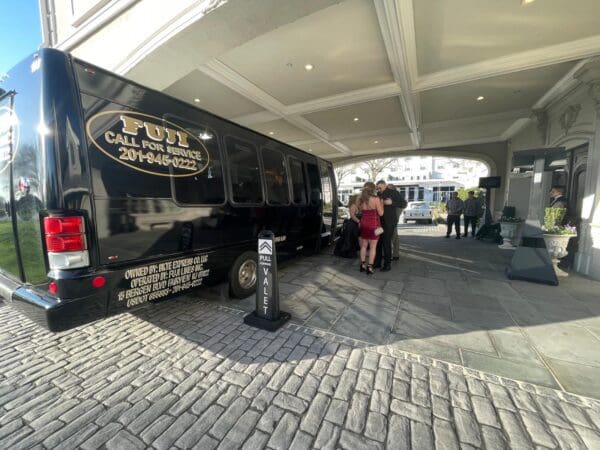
20 31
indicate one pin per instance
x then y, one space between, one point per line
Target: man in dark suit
392 201
557 197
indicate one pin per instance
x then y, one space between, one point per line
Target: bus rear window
139 155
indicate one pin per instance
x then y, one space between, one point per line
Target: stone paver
188 373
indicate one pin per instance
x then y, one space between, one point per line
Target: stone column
587 260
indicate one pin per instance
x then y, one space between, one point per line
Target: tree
342 172
374 167
463 193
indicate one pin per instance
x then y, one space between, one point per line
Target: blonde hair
369 190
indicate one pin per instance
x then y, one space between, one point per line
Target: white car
418 211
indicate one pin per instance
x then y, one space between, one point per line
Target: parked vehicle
114 195
418 211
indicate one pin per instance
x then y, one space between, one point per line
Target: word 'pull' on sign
267 315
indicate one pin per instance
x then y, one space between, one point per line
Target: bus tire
243 275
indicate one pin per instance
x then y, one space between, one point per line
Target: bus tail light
66 242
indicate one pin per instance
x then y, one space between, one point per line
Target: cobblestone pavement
187 373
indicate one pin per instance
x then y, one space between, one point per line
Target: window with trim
244 171
275 177
207 187
298 181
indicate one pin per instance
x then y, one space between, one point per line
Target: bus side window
315 183
276 177
298 181
244 171
206 187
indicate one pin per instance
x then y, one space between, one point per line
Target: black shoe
457 237
395 258
362 267
369 269
447 236
386 268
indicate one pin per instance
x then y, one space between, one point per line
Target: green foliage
553 219
463 193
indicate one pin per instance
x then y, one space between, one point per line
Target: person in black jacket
392 201
557 197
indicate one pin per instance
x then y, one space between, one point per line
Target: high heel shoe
363 267
369 269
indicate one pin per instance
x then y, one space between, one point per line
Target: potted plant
557 235
509 229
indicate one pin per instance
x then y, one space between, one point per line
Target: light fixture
197 100
309 67
205 136
481 97
271 133
310 150
356 119
526 2
375 142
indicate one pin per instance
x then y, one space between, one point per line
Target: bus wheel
242 277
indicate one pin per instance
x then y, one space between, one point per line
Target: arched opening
429 178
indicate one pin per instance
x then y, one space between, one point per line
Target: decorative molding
91 25
324 103
590 74
170 29
514 128
237 83
346 98
568 117
531 59
564 85
396 21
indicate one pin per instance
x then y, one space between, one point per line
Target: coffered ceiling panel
491 130
376 115
212 95
457 32
343 44
282 130
504 93
317 148
378 142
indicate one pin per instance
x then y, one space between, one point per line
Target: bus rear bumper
55 314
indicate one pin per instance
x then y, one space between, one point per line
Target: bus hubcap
247 274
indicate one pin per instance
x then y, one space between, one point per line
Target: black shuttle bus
113 195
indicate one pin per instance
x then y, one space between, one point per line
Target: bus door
9 260
329 203
315 200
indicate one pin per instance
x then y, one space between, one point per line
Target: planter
556 244
509 231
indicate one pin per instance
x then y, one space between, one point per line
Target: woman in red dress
372 209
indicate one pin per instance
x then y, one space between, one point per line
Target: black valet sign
267 315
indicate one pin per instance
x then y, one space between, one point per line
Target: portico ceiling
384 75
